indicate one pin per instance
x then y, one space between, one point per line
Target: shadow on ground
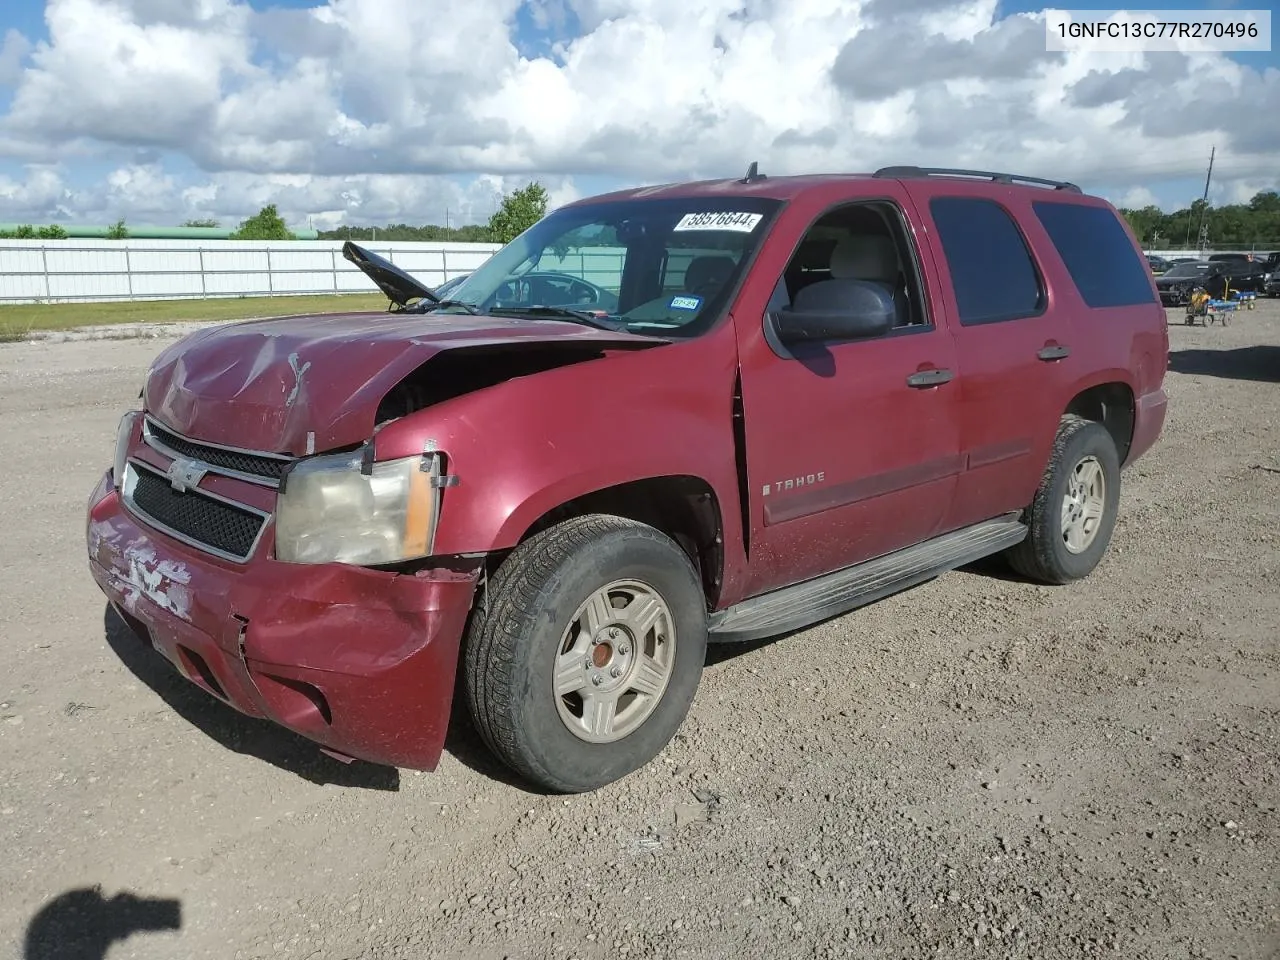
234 730
83 924
994 567
1260 363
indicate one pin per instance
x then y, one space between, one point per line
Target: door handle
1054 352
930 378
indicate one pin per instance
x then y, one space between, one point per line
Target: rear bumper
360 661
1148 423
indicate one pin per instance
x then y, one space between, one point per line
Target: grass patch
19 320
13 332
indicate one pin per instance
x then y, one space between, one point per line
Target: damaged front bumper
360 661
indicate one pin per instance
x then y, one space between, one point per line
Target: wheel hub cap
1083 505
614 661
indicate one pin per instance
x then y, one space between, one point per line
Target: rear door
1015 345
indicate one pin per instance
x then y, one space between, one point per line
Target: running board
832 594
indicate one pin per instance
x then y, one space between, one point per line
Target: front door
852 448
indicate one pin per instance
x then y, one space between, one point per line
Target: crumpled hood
266 384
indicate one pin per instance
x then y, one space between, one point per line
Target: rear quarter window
991 268
1102 260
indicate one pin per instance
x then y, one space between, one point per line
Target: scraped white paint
298 371
163 582
99 531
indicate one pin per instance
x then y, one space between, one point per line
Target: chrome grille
251 465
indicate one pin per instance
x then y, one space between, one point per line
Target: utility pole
1202 241
446 218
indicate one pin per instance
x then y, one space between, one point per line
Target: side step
832 594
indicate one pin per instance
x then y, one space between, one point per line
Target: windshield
1187 270
661 267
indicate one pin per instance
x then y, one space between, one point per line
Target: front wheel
1073 514
584 656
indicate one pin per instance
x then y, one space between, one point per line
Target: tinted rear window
1098 253
991 268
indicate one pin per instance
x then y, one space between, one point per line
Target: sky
386 111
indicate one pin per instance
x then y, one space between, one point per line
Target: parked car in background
1220 273
1158 265
1176 283
767 402
1272 287
1243 271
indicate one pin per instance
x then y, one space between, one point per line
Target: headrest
865 257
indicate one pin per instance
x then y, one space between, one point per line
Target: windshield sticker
740 222
686 303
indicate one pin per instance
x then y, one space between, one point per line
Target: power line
1203 240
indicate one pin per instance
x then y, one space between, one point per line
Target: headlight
124 436
331 512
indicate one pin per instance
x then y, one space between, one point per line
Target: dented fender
529 445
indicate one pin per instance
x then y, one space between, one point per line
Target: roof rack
909 173
753 174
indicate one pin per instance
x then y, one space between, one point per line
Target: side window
1098 254
992 271
863 241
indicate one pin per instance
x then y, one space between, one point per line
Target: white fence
84 270
1206 254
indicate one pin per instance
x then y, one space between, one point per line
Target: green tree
25 232
1268 201
118 231
209 224
266 224
519 211
52 232
431 232
1252 225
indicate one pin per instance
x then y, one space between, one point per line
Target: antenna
753 173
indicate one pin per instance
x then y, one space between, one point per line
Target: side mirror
837 310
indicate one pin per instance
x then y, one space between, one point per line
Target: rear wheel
583 660
1073 515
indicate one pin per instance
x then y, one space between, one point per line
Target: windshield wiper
585 317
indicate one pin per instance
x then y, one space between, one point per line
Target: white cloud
13 51
1240 191
1137 197
359 110
147 194
42 195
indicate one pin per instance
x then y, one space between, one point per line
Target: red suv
704 412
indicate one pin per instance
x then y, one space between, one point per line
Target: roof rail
908 173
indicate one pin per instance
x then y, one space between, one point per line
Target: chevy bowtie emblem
185 474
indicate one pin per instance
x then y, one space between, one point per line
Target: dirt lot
975 768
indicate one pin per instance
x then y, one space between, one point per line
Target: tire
1045 555
532 630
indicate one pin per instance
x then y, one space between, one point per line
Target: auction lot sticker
727 220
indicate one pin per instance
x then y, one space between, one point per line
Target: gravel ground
975 768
